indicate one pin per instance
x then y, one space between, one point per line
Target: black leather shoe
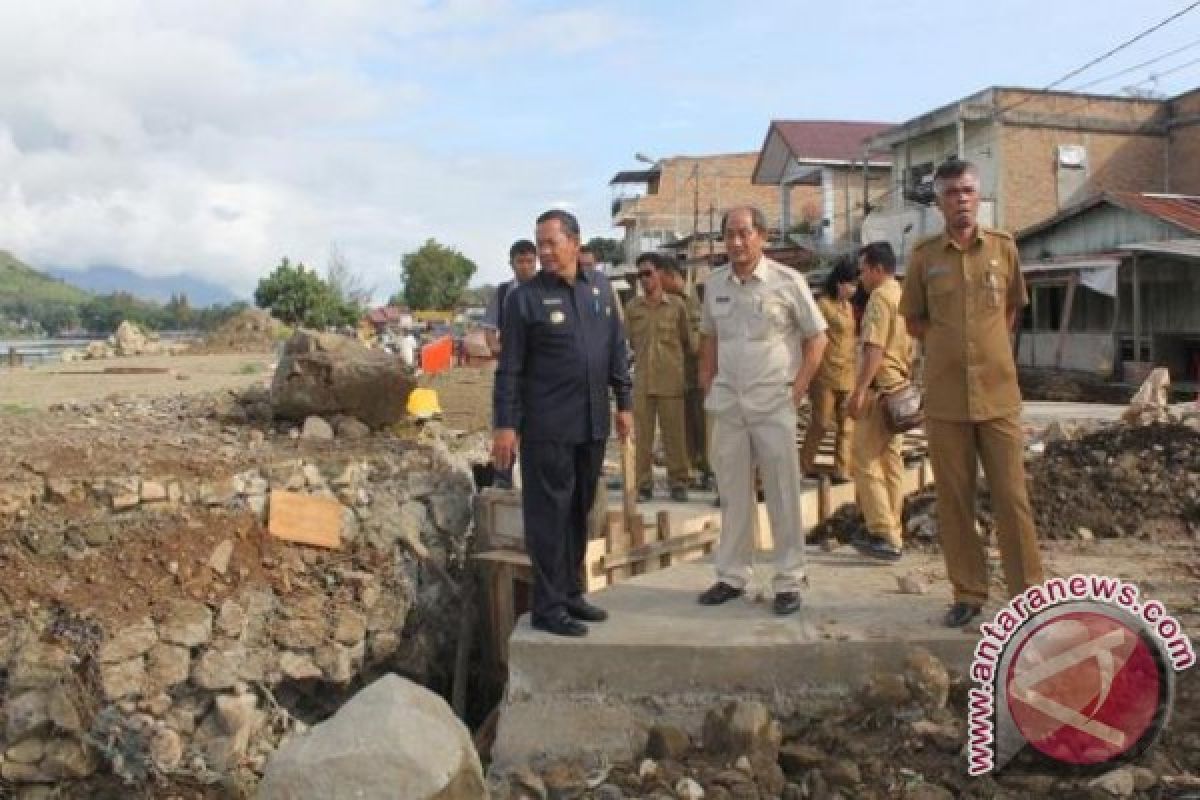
560 624
960 614
878 548
679 494
582 609
645 495
720 592
786 603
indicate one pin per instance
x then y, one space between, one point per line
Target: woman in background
835 379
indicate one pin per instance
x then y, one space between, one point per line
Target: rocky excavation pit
155 639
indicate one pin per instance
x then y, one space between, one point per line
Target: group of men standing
759 344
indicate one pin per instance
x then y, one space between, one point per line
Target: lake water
39 351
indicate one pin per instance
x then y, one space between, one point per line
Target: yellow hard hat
423 404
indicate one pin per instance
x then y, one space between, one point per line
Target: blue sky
215 138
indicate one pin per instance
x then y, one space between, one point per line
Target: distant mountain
103 280
21 282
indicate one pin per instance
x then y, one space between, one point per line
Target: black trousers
558 486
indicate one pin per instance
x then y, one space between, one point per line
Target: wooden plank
637 538
594 575
618 544
654 550
629 484
663 528
514 558
504 613
823 501
1064 323
304 519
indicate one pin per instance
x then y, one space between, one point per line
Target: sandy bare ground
86 381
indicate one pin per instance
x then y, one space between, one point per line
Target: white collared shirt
760 324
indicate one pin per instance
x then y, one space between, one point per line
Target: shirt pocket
994 289
945 300
768 320
722 317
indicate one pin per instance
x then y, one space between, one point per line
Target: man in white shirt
762 338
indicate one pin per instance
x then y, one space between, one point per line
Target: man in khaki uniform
962 293
675 282
884 367
659 332
835 379
762 338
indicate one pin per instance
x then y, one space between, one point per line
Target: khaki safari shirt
837 366
970 375
760 325
883 326
691 359
661 337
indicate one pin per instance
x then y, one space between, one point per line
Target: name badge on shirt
933 272
725 299
552 301
557 317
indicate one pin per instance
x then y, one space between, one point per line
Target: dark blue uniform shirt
564 347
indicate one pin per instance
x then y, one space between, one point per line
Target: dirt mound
1067 386
252 331
1122 481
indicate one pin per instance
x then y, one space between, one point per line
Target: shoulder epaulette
925 240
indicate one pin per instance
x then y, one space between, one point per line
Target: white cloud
217 137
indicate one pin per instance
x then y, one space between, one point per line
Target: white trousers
743 439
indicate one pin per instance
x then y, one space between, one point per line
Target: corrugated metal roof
1182 211
1185 248
1178 209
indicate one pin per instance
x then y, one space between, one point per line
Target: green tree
608 251
297 295
435 276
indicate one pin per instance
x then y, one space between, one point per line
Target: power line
1123 45
1136 67
1105 56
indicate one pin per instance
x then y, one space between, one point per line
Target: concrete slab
662 657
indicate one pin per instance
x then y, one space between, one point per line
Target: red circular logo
1084 688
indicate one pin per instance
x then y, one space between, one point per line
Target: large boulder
393 739
130 341
323 374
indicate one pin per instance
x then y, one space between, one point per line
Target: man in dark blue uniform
564 348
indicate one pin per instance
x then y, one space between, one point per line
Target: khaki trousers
668 412
740 441
828 411
955 450
697 430
879 473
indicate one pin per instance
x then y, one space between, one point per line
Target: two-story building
826 176
1038 153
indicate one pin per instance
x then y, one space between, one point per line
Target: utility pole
712 237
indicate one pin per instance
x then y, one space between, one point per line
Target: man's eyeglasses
645 273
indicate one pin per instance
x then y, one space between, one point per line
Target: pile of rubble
251 331
129 340
152 628
1126 480
901 736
